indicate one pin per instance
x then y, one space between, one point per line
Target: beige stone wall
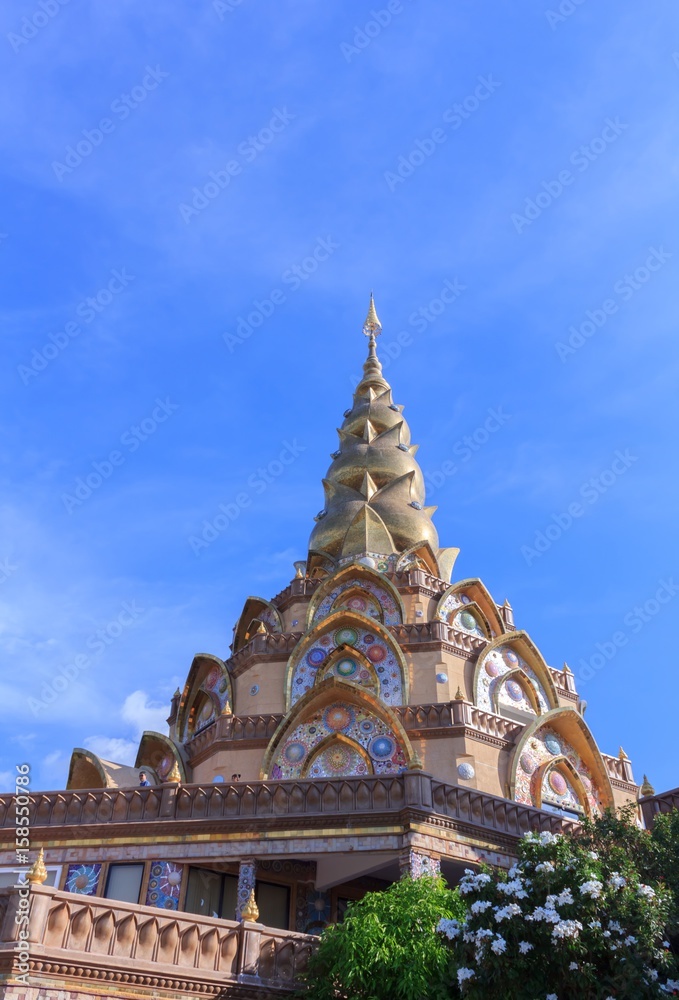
270 677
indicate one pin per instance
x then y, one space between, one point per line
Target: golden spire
175 775
646 787
37 873
372 326
622 755
250 911
458 694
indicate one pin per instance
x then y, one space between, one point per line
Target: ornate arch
477 593
529 700
351 666
571 794
206 695
330 708
369 637
559 734
364 578
255 610
422 556
509 652
336 768
159 753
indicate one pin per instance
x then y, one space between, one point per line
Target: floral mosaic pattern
247 877
351 668
377 652
216 687
548 747
417 865
382 752
313 910
494 689
165 885
83 879
375 602
270 618
454 613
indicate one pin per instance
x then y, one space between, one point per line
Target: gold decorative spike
174 776
566 668
372 326
646 787
261 629
37 873
622 755
458 694
415 762
250 911
368 487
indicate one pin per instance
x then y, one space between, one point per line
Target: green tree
387 947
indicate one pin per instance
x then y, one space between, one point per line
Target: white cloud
143 714
111 748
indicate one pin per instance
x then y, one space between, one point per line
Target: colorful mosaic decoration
466 771
165 885
372 601
270 618
494 689
211 698
83 879
368 746
381 674
374 560
416 864
543 776
313 910
247 876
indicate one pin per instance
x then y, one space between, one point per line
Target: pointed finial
37 873
372 326
250 911
415 762
646 787
261 629
622 755
177 694
566 668
174 776
458 694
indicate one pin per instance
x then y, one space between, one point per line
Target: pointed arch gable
480 626
561 732
86 770
324 695
333 667
525 682
160 753
565 767
477 592
362 576
505 653
208 680
421 552
371 638
328 744
255 610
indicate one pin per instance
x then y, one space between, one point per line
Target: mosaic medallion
552 743
357 603
442 678
367 639
557 783
468 619
514 690
382 747
254 690
83 879
376 654
325 640
346 667
315 657
465 599
466 771
586 783
212 677
338 717
492 668
367 726
346 636
528 763
510 657
294 753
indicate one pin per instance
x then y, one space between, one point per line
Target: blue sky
525 159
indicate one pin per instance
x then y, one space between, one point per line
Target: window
274 904
124 882
211 894
10 876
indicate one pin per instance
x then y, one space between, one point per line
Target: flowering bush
561 925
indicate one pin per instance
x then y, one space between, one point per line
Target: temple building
376 716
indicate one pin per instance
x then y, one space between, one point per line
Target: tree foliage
387 947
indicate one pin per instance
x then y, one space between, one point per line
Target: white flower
573 966
513 888
514 871
525 947
607 934
548 838
468 937
595 924
551 996
499 945
480 906
613 925
544 913
630 939
665 944
545 866
652 973
592 888
646 892
504 913
671 985
617 881
566 929
564 897
593 855
463 974
451 928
